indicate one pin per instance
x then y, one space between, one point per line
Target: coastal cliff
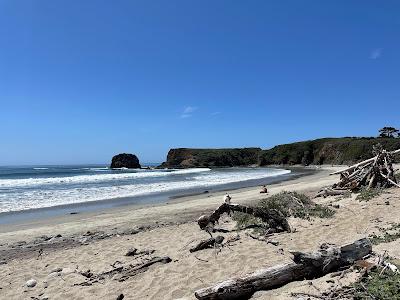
346 150
192 158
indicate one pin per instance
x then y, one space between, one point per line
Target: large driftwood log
210 243
305 266
274 218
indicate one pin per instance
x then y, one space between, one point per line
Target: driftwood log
210 243
330 192
274 218
305 266
376 172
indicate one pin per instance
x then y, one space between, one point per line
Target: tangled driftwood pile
376 172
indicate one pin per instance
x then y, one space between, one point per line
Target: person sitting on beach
227 199
264 190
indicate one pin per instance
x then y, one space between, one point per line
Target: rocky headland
196 158
346 150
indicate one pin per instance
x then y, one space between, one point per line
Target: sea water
32 187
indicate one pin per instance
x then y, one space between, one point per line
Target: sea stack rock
125 160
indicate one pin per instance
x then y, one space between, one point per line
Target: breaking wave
29 193
83 179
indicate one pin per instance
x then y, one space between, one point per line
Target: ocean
35 187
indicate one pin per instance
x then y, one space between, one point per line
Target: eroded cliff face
321 151
196 158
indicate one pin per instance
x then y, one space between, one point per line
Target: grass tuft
346 195
293 204
368 194
243 220
389 235
378 286
290 204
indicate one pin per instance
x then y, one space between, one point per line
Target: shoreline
188 206
101 206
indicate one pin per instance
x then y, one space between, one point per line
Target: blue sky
83 80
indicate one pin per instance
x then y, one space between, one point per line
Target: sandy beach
56 252
199 150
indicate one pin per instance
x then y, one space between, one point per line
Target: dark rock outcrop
195 158
125 160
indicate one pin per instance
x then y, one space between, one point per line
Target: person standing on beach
227 199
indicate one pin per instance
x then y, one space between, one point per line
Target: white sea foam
99 169
30 182
40 168
38 197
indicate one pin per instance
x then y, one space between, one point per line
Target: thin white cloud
184 116
188 111
376 53
215 113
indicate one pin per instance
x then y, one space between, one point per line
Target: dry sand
171 230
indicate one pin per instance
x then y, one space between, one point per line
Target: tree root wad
274 218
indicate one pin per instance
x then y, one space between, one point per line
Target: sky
81 81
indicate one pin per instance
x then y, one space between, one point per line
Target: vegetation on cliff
186 158
346 150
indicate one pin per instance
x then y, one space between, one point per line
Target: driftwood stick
395 152
305 266
330 192
372 181
122 273
307 295
354 166
363 163
210 243
392 182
